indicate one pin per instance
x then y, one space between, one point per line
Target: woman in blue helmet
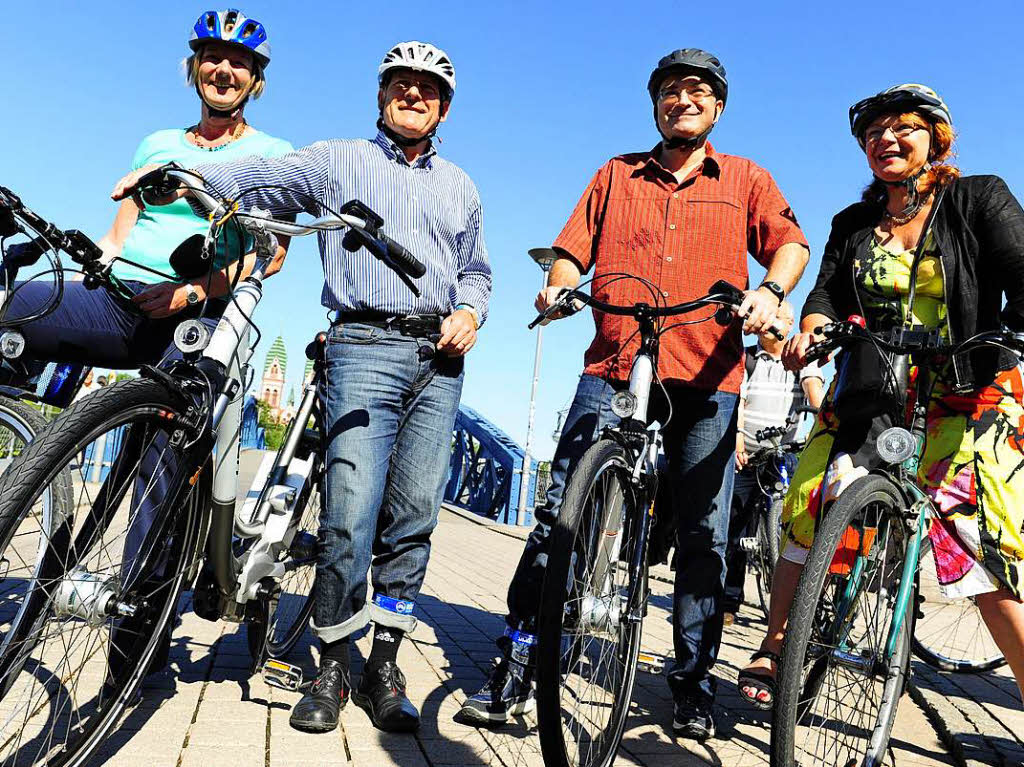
229 55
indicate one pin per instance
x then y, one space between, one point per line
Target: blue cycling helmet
232 26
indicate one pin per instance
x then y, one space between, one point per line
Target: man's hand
165 299
758 309
549 297
458 333
794 353
741 453
128 187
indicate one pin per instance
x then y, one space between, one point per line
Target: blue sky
547 92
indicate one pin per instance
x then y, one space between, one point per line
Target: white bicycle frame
269 515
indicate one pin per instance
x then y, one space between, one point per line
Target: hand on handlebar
758 310
129 187
794 353
550 296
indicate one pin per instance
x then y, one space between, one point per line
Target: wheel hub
86 596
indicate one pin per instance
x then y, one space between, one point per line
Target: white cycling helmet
420 57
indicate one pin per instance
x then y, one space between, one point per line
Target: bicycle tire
605 467
768 534
875 499
284 617
139 407
949 634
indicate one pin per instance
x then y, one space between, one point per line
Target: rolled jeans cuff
343 629
383 617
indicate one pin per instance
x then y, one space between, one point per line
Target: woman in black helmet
967 236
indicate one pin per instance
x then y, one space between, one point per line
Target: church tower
272 386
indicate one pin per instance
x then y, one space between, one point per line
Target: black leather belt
413 325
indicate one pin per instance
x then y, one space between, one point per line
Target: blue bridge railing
487 469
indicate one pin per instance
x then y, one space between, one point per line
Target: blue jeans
390 404
699 444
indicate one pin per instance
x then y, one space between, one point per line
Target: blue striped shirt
430 206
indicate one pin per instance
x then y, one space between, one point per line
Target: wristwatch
472 310
774 288
191 294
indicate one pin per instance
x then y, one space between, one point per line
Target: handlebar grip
405 260
818 351
156 185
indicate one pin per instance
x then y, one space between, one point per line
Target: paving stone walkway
208 709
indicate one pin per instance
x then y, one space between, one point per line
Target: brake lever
562 304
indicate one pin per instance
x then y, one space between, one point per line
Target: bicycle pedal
748 544
282 675
652 664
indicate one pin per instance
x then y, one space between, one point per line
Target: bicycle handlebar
721 293
903 341
165 180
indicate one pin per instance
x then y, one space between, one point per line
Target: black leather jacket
979 233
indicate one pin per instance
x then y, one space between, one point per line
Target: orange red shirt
635 217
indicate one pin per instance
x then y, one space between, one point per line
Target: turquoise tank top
160 229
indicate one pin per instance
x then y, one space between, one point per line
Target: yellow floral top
884 277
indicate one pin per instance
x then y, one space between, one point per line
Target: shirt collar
711 167
394 152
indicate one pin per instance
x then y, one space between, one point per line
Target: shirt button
668 258
675 195
671 226
664 293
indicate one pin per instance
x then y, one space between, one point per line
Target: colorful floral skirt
973 469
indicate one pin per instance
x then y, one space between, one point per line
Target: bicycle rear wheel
94 606
767 535
591 613
839 686
949 633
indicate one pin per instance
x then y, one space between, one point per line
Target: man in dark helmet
680 216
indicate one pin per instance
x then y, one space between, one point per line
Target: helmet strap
914 198
405 141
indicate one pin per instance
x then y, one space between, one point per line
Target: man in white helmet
394 365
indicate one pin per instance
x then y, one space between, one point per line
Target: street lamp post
544 257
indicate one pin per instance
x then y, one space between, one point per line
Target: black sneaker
508 692
381 693
691 718
318 709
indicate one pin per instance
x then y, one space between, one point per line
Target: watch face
192 295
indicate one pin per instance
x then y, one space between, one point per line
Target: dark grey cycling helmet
908 97
690 60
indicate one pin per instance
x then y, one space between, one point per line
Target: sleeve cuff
473 295
218 182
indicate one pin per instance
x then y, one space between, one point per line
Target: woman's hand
794 353
128 187
165 299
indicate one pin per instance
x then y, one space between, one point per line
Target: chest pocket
717 226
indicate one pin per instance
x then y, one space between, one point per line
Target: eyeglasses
902 130
671 95
427 89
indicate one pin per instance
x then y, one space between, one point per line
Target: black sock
337 651
385 646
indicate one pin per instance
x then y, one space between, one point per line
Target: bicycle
846 655
92 617
773 470
595 591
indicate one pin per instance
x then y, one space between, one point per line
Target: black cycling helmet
690 60
909 97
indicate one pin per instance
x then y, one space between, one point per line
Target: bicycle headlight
624 404
191 336
895 445
12 344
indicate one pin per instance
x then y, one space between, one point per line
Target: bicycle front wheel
591 613
97 585
840 680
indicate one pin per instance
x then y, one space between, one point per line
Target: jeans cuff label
398 606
